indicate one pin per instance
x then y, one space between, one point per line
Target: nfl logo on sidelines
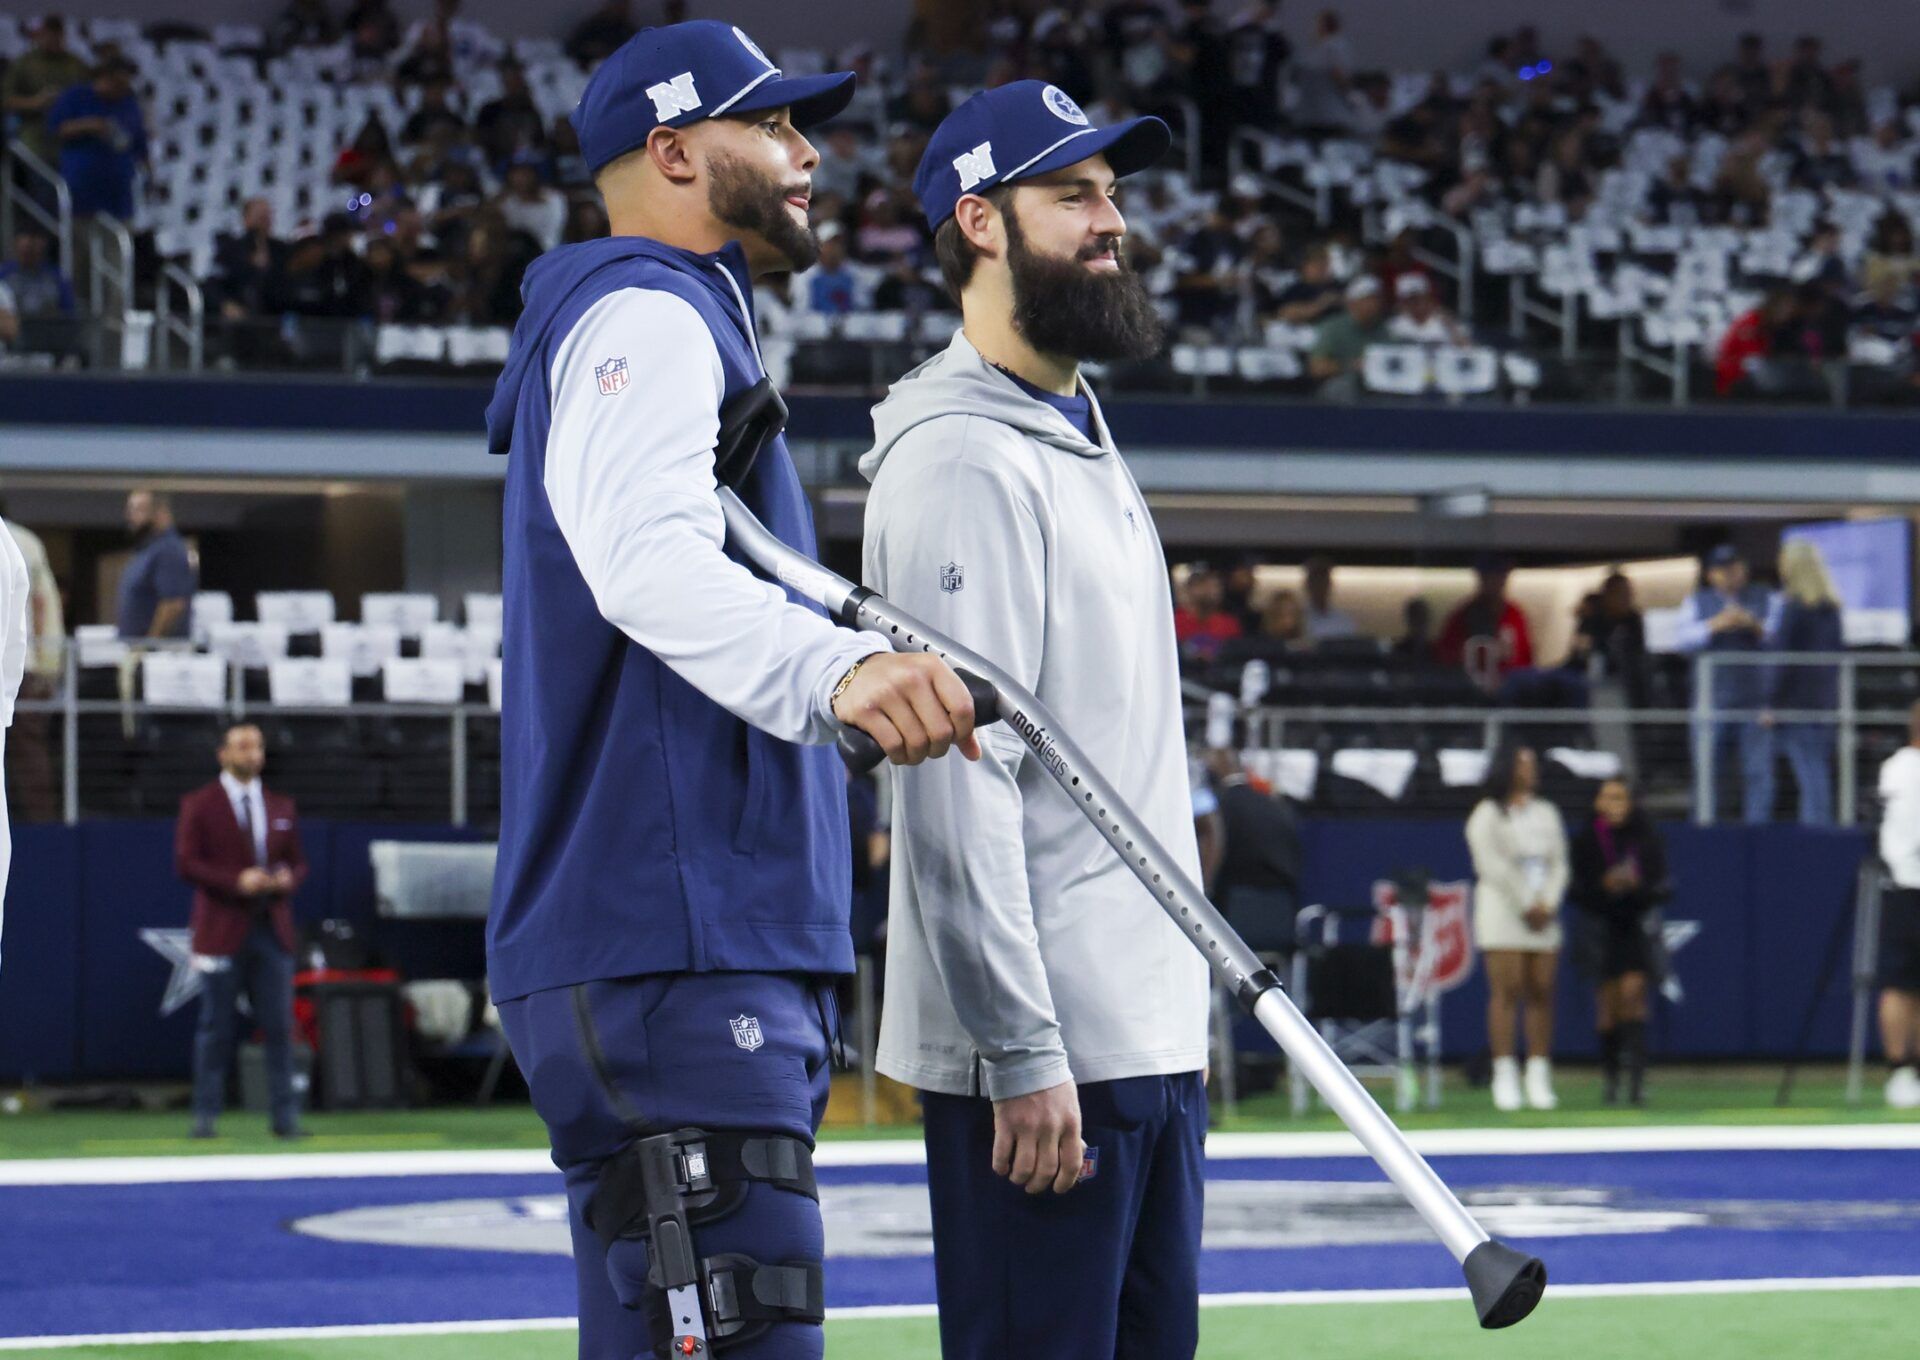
612 375
746 1031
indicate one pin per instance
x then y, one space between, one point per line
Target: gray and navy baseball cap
683 73
1017 131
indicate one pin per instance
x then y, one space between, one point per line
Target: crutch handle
862 753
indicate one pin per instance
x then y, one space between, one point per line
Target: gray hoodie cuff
1024 1075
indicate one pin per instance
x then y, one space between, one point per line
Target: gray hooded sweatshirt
1020 950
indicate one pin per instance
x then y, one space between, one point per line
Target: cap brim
807 99
1129 147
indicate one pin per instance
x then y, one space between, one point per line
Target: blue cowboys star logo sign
746 1031
612 375
952 577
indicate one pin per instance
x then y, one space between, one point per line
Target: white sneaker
1540 1084
1903 1089
1506 1085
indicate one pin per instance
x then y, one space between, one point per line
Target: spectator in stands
1257 884
1752 74
512 123
889 227
1673 199
1618 881
832 287
1321 78
1727 615
486 275
374 27
1416 639
1753 339
325 275
1519 850
1668 103
597 36
569 166
1237 587
303 23
468 43
586 220
1611 639
1420 319
457 192
1807 619
1201 623
923 103
40 290
250 266
1207 288
1283 621
1340 341
1804 80
1323 620
1487 633
238 844
1820 162
435 114
395 297
1314 293
33 81
1890 252
371 147
103 140
9 319
530 206
429 56
1899 954
157 584
1256 59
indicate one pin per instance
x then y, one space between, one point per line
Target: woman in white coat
1520 866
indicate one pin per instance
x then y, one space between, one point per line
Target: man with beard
156 586
1053 1017
671 902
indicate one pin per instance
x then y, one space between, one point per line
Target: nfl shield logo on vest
612 375
952 577
746 1031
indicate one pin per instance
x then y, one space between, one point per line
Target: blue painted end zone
207 1256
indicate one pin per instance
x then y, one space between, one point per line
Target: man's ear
671 151
979 221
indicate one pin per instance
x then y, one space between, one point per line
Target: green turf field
1684 1096
1809 1326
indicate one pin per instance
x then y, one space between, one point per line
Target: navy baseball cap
683 73
1020 130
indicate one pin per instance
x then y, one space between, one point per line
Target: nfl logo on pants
612 375
746 1031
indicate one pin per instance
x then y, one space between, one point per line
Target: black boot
1633 1057
1610 1067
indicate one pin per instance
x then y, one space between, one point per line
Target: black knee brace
659 1188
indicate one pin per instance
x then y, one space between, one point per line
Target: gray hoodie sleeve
956 545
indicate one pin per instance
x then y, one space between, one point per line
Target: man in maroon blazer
238 845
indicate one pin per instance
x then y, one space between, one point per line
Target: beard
748 200
1061 307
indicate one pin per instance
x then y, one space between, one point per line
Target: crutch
1505 1283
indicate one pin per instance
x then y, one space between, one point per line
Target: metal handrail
191 329
109 236
12 199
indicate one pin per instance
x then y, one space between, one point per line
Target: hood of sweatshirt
957 381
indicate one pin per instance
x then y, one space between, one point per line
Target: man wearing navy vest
1729 613
673 887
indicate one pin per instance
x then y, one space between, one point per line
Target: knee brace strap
657 1188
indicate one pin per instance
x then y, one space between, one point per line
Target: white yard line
915 1310
910 1152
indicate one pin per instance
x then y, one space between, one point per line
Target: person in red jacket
239 846
1487 633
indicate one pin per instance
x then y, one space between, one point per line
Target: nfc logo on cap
1063 106
671 98
975 166
749 44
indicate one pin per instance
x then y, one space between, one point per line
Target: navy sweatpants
611 1061
1107 1271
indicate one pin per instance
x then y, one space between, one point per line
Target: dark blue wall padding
79 992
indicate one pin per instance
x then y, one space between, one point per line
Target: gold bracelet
847 679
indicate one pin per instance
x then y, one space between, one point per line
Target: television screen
1871 563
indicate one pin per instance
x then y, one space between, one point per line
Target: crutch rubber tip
1505 1284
